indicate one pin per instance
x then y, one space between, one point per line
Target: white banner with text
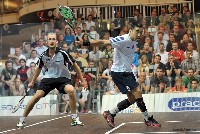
46 106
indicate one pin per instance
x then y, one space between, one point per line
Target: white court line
115 128
147 132
6 131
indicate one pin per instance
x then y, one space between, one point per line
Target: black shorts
48 84
125 81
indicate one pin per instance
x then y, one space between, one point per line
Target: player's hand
30 85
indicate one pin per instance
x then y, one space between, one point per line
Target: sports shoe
152 122
76 121
21 124
109 118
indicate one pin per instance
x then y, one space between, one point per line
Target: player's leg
69 89
149 120
120 79
29 106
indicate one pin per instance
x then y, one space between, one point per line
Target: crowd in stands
166 59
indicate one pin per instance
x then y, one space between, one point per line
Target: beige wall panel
54 3
163 1
31 8
81 2
135 2
109 2
9 18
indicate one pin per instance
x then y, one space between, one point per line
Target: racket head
67 14
17 106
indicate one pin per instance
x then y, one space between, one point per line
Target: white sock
114 110
22 119
146 115
74 116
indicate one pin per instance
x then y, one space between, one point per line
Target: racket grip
28 90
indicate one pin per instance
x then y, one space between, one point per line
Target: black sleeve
40 62
68 59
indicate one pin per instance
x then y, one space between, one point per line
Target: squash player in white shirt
121 72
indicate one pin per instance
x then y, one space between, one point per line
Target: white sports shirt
124 49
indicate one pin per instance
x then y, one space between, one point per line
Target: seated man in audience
17 88
8 76
156 63
157 79
143 83
187 79
173 69
178 87
190 62
163 54
22 72
33 58
194 86
16 57
178 54
190 47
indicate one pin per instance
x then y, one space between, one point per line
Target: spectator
171 40
153 20
65 98
158 79
79 33
26 51
161 29
106 75
147 40
61 40
41 47
114 32
17 88
147 52
158 42
21 71
112 88
184 42
33 58
119 21
156 64
8 76
16 57
177 53
95 54
108 52
177 33
163 54
178 87
143 66
69 38
93 35
144 83
89 22
30 72
194 86
65 47
189 62
187 79
173 69
190 47
164 15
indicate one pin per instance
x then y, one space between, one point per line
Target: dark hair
195 80
8 61
22 60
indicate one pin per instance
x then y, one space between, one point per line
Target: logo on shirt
184 104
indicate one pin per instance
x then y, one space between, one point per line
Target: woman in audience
178 88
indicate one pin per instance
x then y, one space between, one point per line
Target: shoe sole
153 125
107 120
